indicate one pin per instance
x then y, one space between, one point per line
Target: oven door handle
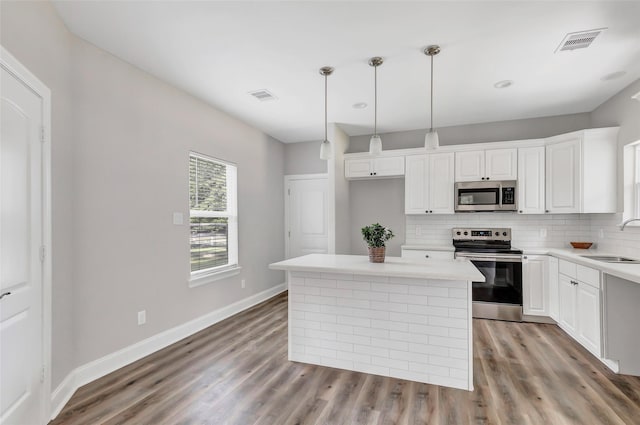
503 258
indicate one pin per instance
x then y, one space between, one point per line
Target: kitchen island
406 319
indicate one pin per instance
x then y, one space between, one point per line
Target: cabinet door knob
426 211
546 211
487 178
520 211
426 256
525 257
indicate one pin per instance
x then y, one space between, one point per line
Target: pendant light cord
375 100
431 93
325 108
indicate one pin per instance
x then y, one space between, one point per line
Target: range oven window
503 282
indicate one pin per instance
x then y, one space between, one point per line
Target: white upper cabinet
581 172
429 184
469 166
384 166
563 177
490 164
501 164
531 180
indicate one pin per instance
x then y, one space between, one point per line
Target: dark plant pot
376 254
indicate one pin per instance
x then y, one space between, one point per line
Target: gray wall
621 111
35 35
532 128
342 192
377 201
303 158
120 169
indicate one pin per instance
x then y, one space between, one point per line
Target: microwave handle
500 196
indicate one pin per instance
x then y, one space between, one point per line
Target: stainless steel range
489 249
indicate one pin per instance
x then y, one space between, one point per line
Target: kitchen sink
612 259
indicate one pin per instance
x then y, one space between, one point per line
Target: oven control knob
466 233
497 233
458 233
504 233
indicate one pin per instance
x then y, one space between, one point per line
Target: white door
416 187
441 184
501 164
553 288
307 206
531 199
469 166
567 304
588 317
354 168
21 271
388 166
563 177
534 285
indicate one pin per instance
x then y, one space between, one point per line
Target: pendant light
325 146
431 140
375 144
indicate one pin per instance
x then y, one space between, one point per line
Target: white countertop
393 267
624 271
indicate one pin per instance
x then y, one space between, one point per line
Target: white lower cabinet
580 305
535 298
427 254
552 278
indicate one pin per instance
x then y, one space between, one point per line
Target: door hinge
42 375
42 253
289 232
289 192
42 133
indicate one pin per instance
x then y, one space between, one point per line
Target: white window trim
203 277
631 187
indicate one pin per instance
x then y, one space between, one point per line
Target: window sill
205 278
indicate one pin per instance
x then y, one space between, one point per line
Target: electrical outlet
142 317
418 230
601 234
178 218
543 232
243 283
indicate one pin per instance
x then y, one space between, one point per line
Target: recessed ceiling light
359 105
503 84
613 75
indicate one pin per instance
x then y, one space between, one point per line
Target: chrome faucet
624 223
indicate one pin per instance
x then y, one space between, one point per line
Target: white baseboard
91 371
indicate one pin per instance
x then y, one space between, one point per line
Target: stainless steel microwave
486 196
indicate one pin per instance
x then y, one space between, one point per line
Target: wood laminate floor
237 372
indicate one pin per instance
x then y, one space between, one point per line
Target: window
632 182
213 218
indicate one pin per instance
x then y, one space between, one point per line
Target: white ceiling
220 51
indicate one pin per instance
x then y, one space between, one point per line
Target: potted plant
376 236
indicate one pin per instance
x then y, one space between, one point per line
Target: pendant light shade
375 144
431 139
325 146
325 150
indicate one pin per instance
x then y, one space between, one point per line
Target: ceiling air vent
578 40
262 95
